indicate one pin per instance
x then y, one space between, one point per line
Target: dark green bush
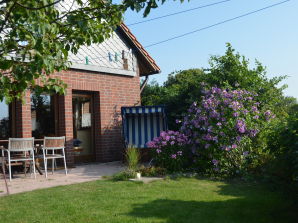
152 171
124 175
283 143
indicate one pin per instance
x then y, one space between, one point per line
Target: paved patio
81 173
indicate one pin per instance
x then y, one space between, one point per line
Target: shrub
283 143
152 171
221 129
132 158
124 175
170 150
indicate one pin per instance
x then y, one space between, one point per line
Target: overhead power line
177 13
217 24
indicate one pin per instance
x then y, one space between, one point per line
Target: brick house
102 78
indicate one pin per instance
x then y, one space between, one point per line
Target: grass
170 201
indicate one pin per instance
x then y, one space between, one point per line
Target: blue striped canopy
142 123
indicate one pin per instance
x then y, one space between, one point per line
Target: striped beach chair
142 123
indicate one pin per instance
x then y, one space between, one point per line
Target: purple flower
228 148
241 126
268 114
214 114
256 117
178 121
234 146
173 156
215 162
207 146
253 132
207 137
158 151
238 138
254 108
245 111
215 139
245 153
235 114
219 124
163 134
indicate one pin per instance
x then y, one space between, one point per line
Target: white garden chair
51 146
2 162
20 149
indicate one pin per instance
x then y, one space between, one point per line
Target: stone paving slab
82 173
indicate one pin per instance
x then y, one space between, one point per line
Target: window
42 115
82 112
4 121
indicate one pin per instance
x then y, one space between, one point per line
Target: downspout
144 83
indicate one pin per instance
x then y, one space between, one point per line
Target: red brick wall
111 92
23 124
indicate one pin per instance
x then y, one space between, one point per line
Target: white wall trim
102 69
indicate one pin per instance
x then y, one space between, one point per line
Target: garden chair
140 124
20 149
3 163
51 147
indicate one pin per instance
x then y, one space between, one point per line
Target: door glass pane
4 121
42 115
82 127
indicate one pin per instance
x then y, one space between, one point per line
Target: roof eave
149 61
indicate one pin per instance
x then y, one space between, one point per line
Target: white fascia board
102 69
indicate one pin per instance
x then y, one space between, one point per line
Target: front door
83 127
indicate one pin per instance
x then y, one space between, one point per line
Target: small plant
132 158
124 175
152 171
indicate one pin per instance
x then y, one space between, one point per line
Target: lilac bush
169 150
221 129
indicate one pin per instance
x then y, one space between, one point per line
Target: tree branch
38 8
66 14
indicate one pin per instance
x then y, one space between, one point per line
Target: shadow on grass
247 205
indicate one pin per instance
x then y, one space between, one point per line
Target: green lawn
171 201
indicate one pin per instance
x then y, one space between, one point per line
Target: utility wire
216 24
177 13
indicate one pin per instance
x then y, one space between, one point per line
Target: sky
270 36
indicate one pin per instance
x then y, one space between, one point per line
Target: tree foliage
37 36
177 93
231 71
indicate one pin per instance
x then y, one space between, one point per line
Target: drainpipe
144 83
